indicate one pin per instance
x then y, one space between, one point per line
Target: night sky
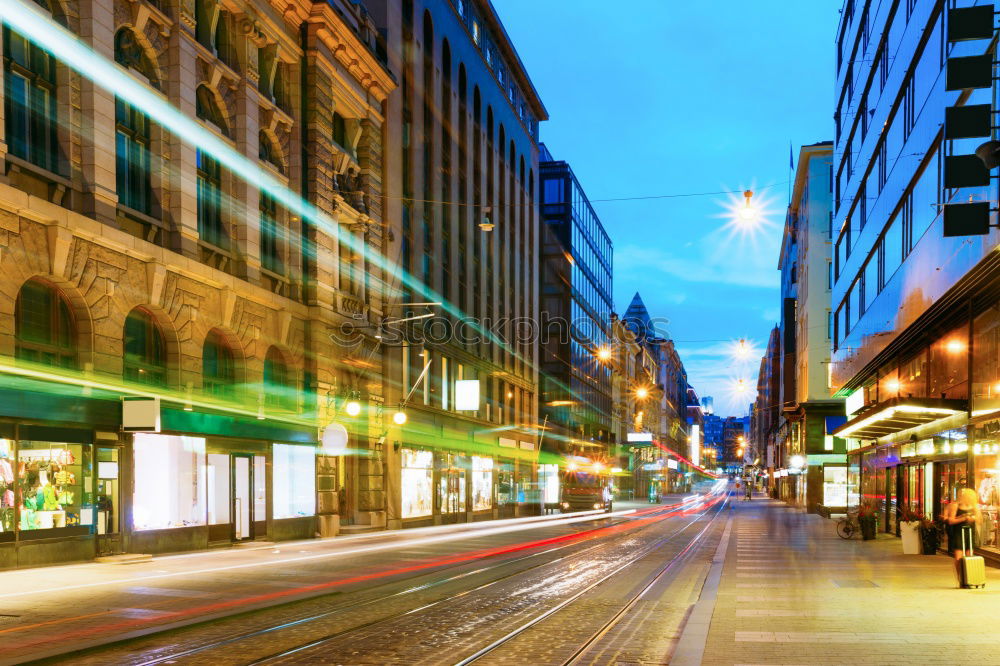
663 97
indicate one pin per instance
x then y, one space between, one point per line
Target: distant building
708 405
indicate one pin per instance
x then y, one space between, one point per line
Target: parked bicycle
848 526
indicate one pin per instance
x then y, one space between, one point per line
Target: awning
897 414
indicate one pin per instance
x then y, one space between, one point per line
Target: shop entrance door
107 507
451 493
242 497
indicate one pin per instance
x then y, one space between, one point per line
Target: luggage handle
967 551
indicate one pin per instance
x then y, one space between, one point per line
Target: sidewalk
793 592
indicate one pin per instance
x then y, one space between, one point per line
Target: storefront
446 487
192 490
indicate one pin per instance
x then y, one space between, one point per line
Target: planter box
910 533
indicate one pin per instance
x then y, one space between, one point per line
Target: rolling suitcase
972 566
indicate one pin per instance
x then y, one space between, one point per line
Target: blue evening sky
657 97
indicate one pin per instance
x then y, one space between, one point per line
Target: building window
416 483
279 383
294 481
207 108
270 236
44 329
482 483
211 226
268 152
30 101
206 16
144 350
218 367
132 172
170 483
130 54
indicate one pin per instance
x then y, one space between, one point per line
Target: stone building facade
137 261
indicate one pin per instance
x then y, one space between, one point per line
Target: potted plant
910 530
930 536
868 521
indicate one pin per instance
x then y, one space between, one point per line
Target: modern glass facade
891 261
576 286
914 311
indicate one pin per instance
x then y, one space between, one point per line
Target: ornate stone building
139 260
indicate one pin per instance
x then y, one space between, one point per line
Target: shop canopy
897 414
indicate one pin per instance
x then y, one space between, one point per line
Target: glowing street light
603 354
747 213
352 408
741 385
642 393
399 418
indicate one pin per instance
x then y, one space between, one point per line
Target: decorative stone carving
187 12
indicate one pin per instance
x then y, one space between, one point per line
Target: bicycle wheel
845 529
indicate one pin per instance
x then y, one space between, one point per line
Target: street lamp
603 354
642 393
747 213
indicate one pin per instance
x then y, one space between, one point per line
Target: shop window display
482 483
452 483
294 479
50 478
6 486
218 488
834 486
417 480
506 486
169 482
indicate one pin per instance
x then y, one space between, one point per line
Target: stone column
97 104
182 81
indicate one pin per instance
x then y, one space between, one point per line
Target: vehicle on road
585 490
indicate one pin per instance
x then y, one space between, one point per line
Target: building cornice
350 51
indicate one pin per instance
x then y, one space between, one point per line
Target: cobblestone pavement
443 617
792 592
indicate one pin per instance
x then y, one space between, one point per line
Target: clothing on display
49 476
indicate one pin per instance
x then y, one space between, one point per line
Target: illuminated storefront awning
896 414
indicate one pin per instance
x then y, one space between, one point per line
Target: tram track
623 612
314 617
282 655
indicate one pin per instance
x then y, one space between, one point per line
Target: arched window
280 389
44 329
218 367
130 54
145 351
268 152
207 108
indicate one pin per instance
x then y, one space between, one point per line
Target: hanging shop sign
140 414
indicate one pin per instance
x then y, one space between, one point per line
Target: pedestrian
962 514
749 494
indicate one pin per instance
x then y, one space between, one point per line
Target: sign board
528 446
640 436
508 443
672 464
140 414
467 395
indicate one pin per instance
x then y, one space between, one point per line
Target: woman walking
962 514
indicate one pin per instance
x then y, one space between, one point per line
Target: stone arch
80 312
240 357
210 106
133 51
168 330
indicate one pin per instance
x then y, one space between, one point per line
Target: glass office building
576 306
915 330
